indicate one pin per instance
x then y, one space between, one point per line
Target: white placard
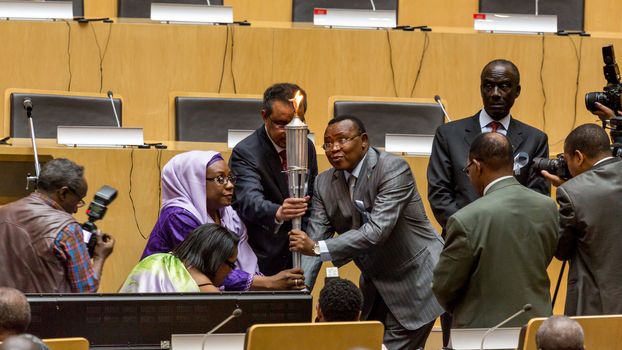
420 145
471 338
36 10
515 23
191 13
347 18
214 341
102 136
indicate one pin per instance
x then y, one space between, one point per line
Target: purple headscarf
183 186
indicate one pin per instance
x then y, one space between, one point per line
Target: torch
297 160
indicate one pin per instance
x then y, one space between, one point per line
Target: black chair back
382 118
207 119
51 110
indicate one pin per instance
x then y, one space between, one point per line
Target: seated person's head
560 333
584 146
14 312
198 181
23 342
63 181
211 249
340 300
490 157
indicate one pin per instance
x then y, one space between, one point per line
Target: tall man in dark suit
590 204
371 200
449 188
261 192
498 247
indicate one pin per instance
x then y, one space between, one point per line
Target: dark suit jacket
395 248
449 188
259 191
495 257
590 206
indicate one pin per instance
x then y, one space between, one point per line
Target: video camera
96 211
609 97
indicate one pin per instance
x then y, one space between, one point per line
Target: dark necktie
283 155
351 184
495 125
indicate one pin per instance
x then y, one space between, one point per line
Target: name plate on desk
420 145
190 13
99 136
36 10
471 338
348 18
515 23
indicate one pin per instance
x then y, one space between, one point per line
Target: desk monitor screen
148 320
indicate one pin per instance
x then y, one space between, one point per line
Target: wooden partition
599 14
144 62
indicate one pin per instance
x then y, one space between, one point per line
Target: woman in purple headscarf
197 188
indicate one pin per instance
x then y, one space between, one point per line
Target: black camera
556 166
96 211
610 96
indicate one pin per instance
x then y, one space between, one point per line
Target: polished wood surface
307 336
601 332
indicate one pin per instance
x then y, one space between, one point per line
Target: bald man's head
493 150
14 312
560 333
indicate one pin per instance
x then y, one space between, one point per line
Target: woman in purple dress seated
197 188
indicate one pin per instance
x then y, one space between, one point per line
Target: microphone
437 98
114 109
236 313
525 308
27 104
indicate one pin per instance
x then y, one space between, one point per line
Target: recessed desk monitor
147 321
471 338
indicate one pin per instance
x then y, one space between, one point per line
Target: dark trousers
396 337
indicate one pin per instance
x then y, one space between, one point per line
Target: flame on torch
296 101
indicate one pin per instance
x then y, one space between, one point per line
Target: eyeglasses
340 142
81 202
222 180
466 168
230 264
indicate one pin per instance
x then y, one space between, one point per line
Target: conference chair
142 8
601 332
313 336
53 108
389 115
67 343
302 10
207 117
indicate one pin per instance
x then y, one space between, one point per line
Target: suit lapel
342 194
371 159
515 134
274 163
472 130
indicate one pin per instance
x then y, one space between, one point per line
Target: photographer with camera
590 236
42 247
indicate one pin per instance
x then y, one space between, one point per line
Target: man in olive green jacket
498 247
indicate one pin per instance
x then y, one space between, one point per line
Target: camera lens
592 97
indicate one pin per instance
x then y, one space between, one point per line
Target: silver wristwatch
316 249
